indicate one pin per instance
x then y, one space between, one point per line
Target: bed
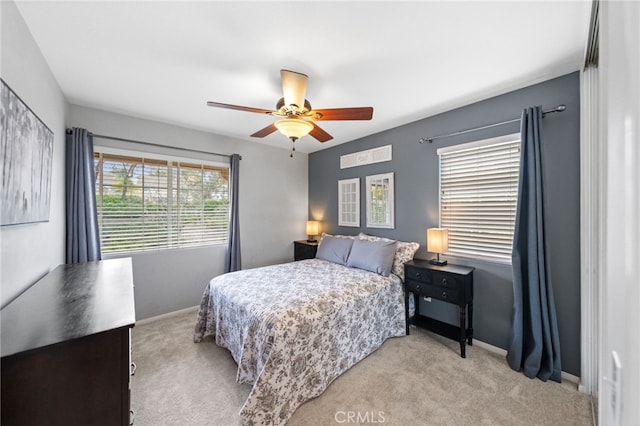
295 327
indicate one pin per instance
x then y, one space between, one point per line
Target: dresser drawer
417 274
450 295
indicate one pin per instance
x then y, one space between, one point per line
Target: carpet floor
413 380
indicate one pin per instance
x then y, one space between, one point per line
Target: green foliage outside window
150 204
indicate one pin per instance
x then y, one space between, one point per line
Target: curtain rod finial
561 108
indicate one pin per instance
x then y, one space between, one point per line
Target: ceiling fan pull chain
293 148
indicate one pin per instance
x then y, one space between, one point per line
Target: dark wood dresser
66 347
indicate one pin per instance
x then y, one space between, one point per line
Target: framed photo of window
349 202
380 202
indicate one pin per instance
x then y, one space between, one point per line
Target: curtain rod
559 108
154 144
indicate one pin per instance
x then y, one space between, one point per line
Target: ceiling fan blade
320 134
238 107
265 132
294 87
359 113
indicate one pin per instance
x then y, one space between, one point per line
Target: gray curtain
83 237
232 256
534 342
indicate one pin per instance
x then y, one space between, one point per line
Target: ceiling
409 60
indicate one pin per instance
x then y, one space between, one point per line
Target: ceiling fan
298 118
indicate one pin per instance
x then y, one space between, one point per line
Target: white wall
619 388
273 197
273 208
29 251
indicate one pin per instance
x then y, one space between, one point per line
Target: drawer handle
444 294
444 281
417 287
418 276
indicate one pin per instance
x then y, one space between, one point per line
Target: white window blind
152 204
478 196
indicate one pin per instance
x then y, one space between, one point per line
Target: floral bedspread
293 328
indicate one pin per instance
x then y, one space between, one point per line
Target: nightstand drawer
417 274
446 280
436 292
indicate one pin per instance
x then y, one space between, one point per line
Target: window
150 204
380 205
478 196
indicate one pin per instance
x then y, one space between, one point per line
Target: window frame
509 140
172 163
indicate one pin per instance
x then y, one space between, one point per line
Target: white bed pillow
334 249
374 256
339 236
404 253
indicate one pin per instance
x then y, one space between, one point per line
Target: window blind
152 204
478 197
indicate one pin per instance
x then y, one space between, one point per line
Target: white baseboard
499 351
167 315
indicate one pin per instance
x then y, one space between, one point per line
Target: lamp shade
294 128
313 227
437 240
294 87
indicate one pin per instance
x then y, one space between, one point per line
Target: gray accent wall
417 205
28 251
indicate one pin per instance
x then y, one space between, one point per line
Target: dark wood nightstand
449 283
304 249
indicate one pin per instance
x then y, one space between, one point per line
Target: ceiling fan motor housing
292 110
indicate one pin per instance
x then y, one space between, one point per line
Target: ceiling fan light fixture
294 128
296 112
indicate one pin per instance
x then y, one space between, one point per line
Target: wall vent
370 156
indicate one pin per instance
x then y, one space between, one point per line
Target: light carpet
413 380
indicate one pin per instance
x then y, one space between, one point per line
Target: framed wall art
380 203
26 155
349 202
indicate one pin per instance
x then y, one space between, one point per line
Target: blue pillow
374 256
334 249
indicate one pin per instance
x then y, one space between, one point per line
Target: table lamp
437 242
313 229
